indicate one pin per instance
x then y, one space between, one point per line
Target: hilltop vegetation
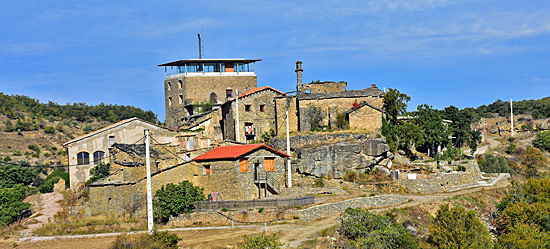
538 109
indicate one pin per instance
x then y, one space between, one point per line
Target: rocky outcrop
331 155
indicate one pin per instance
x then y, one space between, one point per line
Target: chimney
299 71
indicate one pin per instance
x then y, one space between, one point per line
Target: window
83 158
169 101
99 157
213 97
248 128
181 98
206 170
229 93
111 140
169 86
262 108
269 164
180 84
242 165
247 108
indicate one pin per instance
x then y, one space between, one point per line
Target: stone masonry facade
183 90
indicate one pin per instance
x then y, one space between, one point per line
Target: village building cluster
216 116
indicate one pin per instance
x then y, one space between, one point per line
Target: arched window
169 86
214 97
180 84
99 157
83 158
169 101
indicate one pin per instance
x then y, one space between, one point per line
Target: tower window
169 86
169 101
262 108
247 108
229 93
180 84
181 98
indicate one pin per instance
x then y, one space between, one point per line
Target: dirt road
49 206
292 233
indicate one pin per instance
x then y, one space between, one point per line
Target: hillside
33 133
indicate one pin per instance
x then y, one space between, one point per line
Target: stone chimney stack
299 71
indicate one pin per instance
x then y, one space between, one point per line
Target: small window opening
247 108
262 108
169 86
180 84
229 93
181 98
169 101
111 140
206 170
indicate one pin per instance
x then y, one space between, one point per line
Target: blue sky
462 53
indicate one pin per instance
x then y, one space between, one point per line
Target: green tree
409 135
395 105
13 174
261 241
490 163
99 172
458 228
523 236
12 205
533 159
172 199
542 140
366 230
431 123
53 178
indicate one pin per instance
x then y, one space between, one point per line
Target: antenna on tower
200 46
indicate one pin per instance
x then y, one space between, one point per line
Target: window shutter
269 164
242 165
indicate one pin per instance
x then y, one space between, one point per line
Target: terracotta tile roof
234 152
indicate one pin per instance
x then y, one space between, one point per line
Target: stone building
89 150
329 104
192 84
256 115
240 172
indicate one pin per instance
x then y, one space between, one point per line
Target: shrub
511 148
319 182
160 240
458 228
172 199
524 236
34 148
542 140
261 241
99 172
490 163
533 159
49 130
53 178
366 230
13 175
12 205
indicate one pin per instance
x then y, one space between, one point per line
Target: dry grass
79 224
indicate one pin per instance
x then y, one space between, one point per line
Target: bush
261 241
366 230
34 148
12 205
490 163
172 199
160 240
13 175
542 140
49 130
524 236
458 228
99 172
511 148
533 159
319 182
53 178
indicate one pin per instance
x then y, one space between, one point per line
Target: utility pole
237 104
149 190
511 118
289 176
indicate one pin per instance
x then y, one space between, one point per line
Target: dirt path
292 233
49 206
493 142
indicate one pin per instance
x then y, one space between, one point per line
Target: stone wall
332 107
365 118
224 218
198 89
332 209
439 182
285 104
331 155
263 120
325 87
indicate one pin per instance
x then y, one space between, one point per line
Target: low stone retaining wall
243 216
331 209
439 182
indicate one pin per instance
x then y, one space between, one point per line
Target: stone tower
299 71
190 84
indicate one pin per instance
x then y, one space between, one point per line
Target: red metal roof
234 152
